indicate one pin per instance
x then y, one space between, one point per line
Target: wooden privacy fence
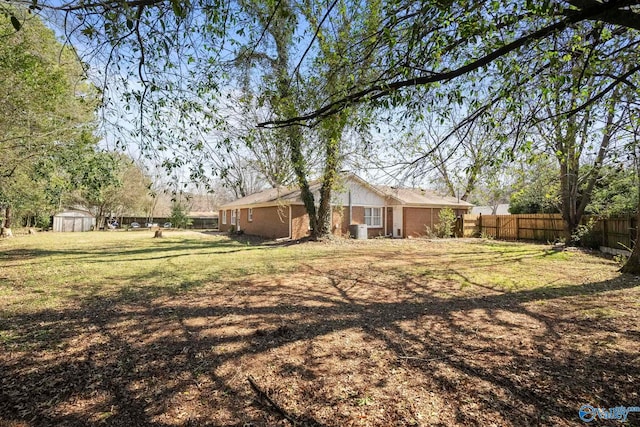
617 233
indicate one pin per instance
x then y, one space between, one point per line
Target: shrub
43 221
179 217
446 226
583 235
429 233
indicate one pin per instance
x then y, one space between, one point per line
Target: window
373 217
224 217
233 216
250 215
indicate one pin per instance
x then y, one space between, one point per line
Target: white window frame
224 217
250 215
372 220
233 217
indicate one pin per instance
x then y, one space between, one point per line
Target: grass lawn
118 328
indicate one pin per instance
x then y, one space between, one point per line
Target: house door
397 221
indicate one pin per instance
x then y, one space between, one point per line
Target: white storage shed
73 220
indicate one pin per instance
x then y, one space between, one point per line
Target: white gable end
360 195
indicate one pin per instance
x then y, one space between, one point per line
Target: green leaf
88 31
16 24
178 10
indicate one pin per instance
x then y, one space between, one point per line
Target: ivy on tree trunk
632 266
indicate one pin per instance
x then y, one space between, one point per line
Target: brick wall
299 223
222 226
357 215
270 222
340 221
416 219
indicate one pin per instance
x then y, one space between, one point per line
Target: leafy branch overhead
438 44
406 44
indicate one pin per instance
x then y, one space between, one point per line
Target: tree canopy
45 108
496 46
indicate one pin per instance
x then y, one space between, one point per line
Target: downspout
384 217
350 213
290 221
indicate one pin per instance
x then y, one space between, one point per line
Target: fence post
498 227
605 232
517 228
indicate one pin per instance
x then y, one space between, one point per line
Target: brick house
387 211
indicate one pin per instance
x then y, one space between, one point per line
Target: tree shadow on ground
333 347
167 248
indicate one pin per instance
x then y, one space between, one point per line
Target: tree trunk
332 138
568 184
100 223
300 168
632 266
7 217
285 106
5 231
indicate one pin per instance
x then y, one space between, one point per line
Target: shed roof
74 213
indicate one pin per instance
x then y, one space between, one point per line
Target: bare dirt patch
381 333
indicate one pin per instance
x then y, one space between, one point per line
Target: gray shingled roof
271 195
407 196
418 196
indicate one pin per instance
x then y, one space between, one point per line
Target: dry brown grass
374 333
